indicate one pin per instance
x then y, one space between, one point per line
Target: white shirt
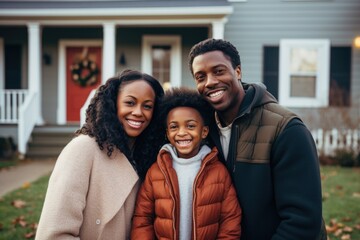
186 171
225 135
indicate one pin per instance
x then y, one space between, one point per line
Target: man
267 149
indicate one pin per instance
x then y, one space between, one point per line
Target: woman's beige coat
90 196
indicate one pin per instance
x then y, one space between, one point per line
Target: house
54 53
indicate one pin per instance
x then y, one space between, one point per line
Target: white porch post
108 57
34 66
218 28
2 65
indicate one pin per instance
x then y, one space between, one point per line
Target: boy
187 193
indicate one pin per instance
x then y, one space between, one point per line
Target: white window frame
175 66
321 98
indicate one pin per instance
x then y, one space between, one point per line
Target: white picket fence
330 140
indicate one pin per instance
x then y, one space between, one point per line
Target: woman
93 187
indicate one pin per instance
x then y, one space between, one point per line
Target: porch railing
10 101
27 121
327 142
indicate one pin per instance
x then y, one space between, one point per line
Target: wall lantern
122 60
357 42
47 59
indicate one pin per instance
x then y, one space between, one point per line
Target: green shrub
7 147
327 160
345 158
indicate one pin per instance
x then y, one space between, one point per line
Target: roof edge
158 11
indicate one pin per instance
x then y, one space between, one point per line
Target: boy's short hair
185 97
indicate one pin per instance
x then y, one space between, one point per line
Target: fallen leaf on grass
19 221
346 219
325 195
26 185
345 237
1 226
18 203
348 229
29 235
339 187
338 232
356 194
357 226
339 228
33 226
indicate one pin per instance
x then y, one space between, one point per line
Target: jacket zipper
172 197
232 149
194 195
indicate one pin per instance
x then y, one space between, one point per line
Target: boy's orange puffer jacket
216 211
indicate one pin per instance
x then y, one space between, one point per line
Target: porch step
48 141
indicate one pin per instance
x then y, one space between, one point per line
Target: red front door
83 74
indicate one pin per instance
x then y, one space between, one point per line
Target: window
304 73
161 57
338 83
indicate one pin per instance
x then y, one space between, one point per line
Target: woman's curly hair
185 97
102 122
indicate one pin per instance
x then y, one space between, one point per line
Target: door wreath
84 73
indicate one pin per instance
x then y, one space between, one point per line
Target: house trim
175 66
120 22
61 109
152 11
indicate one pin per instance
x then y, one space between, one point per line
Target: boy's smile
185 130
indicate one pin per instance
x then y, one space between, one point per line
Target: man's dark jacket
274 165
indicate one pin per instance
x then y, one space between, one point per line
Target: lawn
341 202
20 210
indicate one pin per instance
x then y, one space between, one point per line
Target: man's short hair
210 45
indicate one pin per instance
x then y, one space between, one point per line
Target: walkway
27 171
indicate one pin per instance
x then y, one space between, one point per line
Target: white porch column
218 28
108 57
2 65
34 66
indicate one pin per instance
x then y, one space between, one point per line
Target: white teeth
216 94
134 123
183 143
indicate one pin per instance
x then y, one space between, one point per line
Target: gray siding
258 23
